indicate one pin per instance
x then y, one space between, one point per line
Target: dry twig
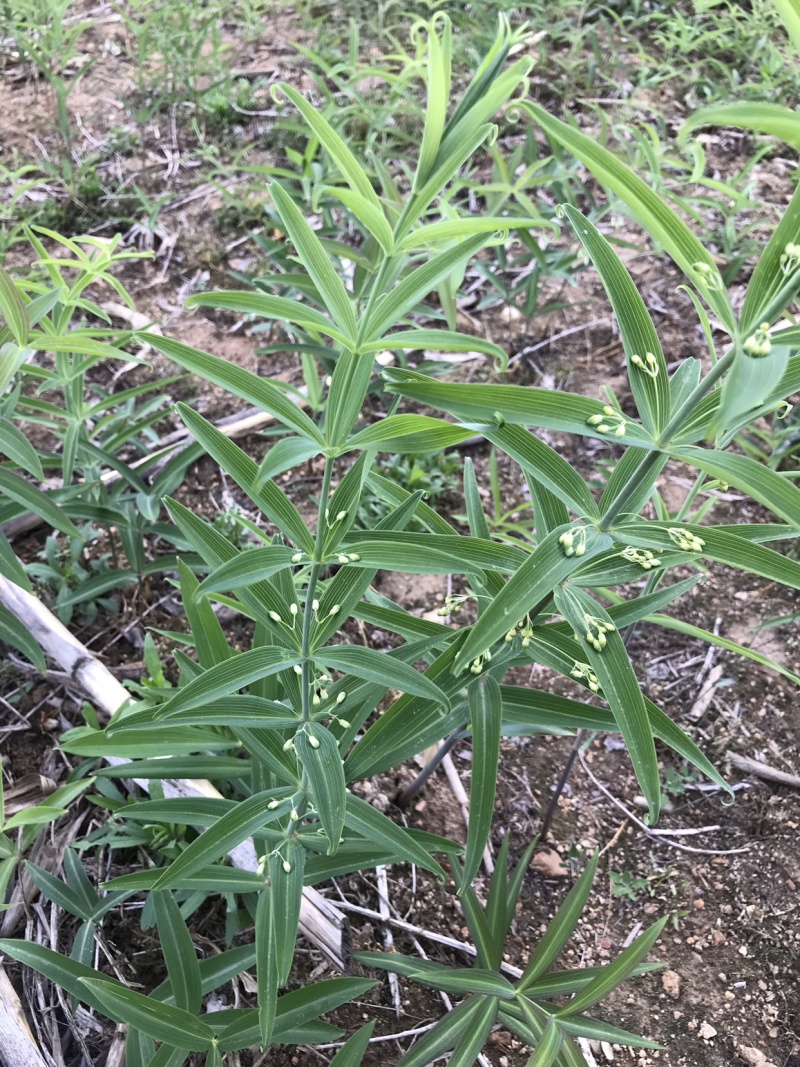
763 770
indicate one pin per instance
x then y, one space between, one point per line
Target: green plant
49 40
433 474
629 885
63 571
178 54
103 446
310 709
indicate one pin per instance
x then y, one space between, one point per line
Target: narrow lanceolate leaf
211 644
315 259
374 666
226 833
528 587
349 384
163 1022
257 391
14 445
764 485
369 213
229 676
254 565
271 307
549 1046
33 499
319 753
342 507
774 269
84 741
658 219
721 544
334 145
59 893
560 928
12 308
235 462
722 642
443 1035
597 1030
438 95
409 726
594 627
373 825
66 973
527 405
647 368
474 1035
615 974
420 340
408 551
486 716
789 11
294 1010
15 633
395 305
476 515
407 434
775 120
466 980
748 383
286 869
352 1051
179 953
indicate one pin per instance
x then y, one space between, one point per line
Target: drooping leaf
322 762
612 666
163 1022
486 716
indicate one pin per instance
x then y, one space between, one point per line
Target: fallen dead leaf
549 864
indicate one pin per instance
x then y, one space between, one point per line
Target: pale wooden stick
17 1045
763 770
320 921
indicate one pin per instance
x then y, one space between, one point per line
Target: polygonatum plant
313 710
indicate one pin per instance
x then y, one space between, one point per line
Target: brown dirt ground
732 945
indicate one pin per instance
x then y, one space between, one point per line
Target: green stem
313 578
690 497
697 394
617 506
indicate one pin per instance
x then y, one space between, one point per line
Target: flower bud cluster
706 276
641 556
609 422
648 365
350 557
685 540
524 630
452 606
340 515
596 630
574 541
479 662
584 672
758 344
790 258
